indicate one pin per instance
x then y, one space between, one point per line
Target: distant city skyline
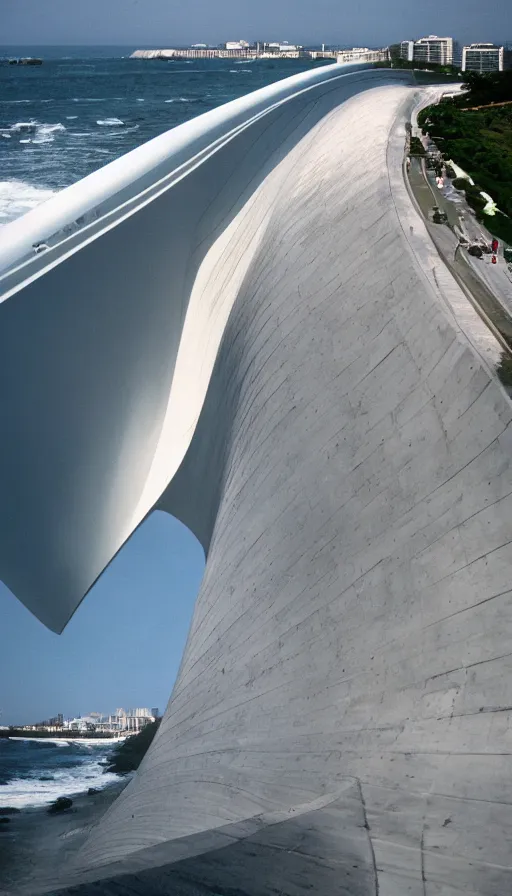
149 22
93 714
114 648
292 40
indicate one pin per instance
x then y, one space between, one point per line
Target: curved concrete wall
108 305
340 722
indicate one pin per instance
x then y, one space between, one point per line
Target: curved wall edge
340 721
126 180
117 306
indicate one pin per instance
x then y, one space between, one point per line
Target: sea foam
66 778
46 133
18 197
109 122
34 131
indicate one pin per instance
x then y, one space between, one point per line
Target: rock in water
60 804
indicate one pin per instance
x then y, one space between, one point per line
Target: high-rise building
139 713
434 49
134 719
482 58
236 45
53 722
154 712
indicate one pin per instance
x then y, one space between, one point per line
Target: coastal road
495 277
446 243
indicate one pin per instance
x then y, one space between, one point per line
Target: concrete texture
72 506
340 721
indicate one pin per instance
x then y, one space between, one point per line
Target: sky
124 644
166 23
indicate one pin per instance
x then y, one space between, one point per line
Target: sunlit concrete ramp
244 324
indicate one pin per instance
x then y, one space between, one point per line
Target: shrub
500 226
460 183
472 189
417 148
476 201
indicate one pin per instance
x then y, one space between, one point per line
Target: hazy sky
124 644
166 23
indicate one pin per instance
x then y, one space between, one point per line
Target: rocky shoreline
36 844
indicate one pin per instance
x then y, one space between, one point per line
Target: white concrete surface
341 718
146 245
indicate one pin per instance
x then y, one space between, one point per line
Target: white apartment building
362 54
281 49
130 719
438 50
136 722
236 45
82 724
483 58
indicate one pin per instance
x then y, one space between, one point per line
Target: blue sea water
35 772
86 106
59 122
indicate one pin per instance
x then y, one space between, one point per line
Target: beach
34 845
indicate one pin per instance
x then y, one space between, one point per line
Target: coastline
35 845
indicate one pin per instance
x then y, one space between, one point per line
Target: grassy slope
480 141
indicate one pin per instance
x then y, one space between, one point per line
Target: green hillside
479 140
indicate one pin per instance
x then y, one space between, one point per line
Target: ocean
86 106
35 772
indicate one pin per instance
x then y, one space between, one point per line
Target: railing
149 168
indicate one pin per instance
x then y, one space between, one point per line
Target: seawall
152 54
342 451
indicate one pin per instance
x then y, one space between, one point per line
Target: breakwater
193 54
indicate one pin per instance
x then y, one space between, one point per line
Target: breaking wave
51 769
109 122
33 131
18 197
